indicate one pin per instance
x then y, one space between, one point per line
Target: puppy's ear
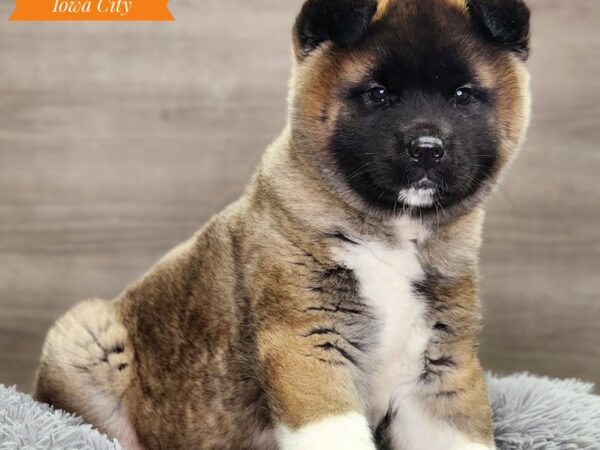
343 22
505 22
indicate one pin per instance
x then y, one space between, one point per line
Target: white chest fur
386 274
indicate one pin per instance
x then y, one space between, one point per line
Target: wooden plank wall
117 140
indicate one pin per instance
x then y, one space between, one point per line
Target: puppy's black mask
426 127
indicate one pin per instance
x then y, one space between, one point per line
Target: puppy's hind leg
86 368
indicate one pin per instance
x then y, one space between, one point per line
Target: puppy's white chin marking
348 432
417 197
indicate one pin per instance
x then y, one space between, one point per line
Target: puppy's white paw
348 432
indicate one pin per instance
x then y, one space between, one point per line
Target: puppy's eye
463 95
379 94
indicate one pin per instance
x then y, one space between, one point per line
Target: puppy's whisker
364 172
358 172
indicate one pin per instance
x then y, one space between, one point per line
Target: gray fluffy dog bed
529 413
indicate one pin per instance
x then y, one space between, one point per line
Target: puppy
335 305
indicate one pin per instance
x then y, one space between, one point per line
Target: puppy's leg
86 369
313 399
453 413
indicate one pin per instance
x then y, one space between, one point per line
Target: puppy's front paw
348 432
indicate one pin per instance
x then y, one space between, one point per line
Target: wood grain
118 140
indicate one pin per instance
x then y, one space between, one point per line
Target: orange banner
91 10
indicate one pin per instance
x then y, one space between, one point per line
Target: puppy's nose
426 147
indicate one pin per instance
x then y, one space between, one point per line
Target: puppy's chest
386 275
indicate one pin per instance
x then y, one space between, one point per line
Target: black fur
343 22
421 63
505 22
382 438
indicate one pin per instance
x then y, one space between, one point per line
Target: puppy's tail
86 368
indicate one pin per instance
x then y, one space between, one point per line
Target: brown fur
253 322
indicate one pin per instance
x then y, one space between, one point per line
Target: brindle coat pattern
254 321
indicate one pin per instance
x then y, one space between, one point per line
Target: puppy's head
410 105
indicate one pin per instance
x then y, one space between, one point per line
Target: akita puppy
334 306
